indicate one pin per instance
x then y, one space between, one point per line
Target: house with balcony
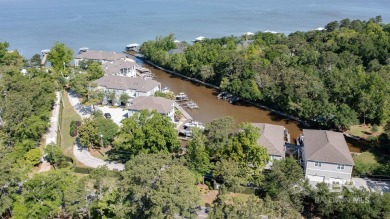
120 67
98 56
326 157
132 86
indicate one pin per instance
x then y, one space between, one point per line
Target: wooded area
335 77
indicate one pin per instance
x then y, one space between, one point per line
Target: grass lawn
207 196
364 131
68 114
101 153
366 158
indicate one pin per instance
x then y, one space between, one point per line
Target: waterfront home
161 105
132 86
326 157
99 56
273 138
121 67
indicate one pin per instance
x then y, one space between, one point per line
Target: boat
193 124
132 47
83 49
165 90
181 97
199 39
222 95
192 105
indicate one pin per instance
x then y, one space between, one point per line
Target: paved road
83 155
83 111
51 135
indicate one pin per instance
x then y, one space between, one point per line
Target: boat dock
192 105
181 97
183 112
44 56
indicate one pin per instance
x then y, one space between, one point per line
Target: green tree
217 133
104 183
233 174
47 195
147 132
94 71
198 157
89 134
285 179
124 98
60 56
107 128
159 187
55 156
35 61
33 156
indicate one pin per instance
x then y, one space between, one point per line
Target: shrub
73 128
33 156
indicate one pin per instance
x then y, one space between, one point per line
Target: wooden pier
183 112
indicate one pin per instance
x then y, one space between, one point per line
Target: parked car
107 115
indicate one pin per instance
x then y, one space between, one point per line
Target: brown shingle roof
115 67
326 146
160 104
100 55
271 137
127 83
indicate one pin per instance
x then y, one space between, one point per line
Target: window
340 167
317 164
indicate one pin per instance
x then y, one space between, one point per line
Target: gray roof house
120 67
272 137
326 157
101 56
133 86
161 105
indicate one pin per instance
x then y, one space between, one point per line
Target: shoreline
280 113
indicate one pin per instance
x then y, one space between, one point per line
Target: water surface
33 25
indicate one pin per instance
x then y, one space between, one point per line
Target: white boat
249 34
192 124
132 47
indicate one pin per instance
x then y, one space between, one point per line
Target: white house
273 138
121 67
161 105
99 56
133 86
326 157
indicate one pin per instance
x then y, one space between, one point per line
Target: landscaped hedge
73 128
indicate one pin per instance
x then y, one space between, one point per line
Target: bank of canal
210 107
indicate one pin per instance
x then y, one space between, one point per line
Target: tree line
335 77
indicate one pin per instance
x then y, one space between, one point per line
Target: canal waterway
210 107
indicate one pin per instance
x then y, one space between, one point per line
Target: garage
315 178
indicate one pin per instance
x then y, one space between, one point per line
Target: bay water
33 25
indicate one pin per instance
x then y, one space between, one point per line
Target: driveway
117 113
372 185
51 135
83 111
83 155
